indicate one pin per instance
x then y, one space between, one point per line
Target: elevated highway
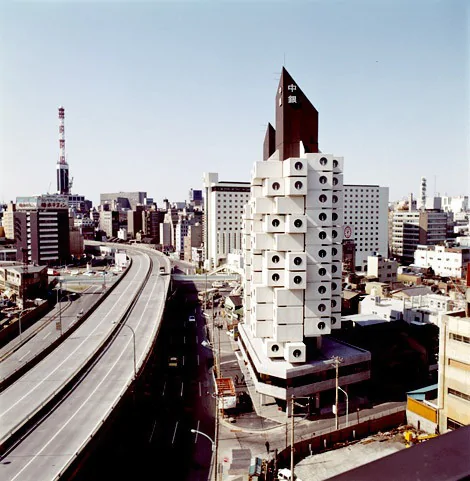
48 415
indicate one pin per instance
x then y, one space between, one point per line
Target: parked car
192 319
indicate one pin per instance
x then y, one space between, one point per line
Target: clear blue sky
157 93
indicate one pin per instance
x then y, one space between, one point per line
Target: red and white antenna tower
61 135
62 166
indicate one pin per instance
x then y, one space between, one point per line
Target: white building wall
293 251
366 220
446 262
224 203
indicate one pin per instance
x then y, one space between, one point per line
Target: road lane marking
153 429
22 357
197 339
198 359
164 386
200 391
174 434
197 432
182 386
47 335
71 354
183 360
184 339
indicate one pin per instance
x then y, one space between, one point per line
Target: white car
285 475
191 319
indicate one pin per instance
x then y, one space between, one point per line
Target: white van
284 474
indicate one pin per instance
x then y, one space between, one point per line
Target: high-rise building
8 221
411 228
42 229
223 209
109 222
292 247
366 221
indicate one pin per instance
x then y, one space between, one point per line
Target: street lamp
336 360
347 405
195 431
133 339
214 448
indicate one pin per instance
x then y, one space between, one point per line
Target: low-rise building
444 261
384 270
454 370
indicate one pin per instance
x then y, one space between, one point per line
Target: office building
366 221
412 228
42 229
223 209
109 222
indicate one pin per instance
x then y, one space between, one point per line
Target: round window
323 161
276 186
333 268
322 198
321 326
334 251
333 321
322 253
297 280
298 166
297 261
322 235
333 303
335 181
275 259
298 185
334 216
323 179
275 277
297 353
335 163
322 289
335 199
274 348
275 222
322 271
334 234
322 216
298 223
321 307
334 286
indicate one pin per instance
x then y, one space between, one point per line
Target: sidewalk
263 426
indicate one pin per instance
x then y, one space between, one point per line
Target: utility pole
292 439
337 395
336 360
216 436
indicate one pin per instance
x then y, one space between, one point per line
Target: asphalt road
153 433
44 332
46 452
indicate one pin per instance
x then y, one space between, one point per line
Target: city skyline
154 90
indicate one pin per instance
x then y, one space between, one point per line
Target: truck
226 393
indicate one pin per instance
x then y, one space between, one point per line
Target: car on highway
192 318
173 361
